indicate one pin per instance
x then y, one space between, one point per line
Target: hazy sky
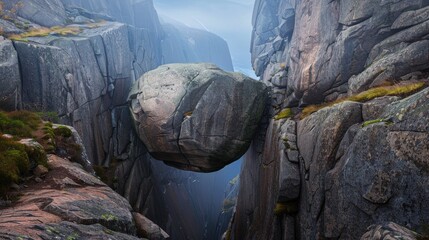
230 19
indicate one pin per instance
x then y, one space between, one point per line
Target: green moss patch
396 90
14 163
380 120
37 155
63 131
286 208
285 113
109 217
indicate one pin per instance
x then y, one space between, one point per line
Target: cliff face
336 172
328 49
86 77
182 44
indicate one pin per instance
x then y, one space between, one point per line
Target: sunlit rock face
196 116
323 50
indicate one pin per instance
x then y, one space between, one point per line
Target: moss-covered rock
14 163
63 131
19 123
35 151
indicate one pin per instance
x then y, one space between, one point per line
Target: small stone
15 186
7 136
38 180
146 228
40 170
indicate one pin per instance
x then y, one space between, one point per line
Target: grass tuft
14 162
396 90
285 113
63 131
19 123
43 32
380 120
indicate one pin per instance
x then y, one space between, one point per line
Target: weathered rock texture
346 177
321 50
389 231
351 176
196 116
86 79
68 203
10 91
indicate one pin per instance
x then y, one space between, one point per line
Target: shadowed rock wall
332 176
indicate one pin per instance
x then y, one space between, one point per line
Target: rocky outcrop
389 231
148 229
358 163
85 79
320 50
352 175
68 202
10 92
381 159
42 12
196 116
76 77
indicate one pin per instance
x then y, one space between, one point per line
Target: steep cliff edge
85 77
320 50
350 165
45 191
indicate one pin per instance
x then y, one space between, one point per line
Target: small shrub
37 155
14 163
20 159
13 127
285 113
29 118
63 131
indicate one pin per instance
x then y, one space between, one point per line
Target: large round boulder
196 116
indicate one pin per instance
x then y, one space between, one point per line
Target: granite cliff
342 148
85 75
356 158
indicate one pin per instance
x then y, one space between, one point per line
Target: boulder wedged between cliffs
196 116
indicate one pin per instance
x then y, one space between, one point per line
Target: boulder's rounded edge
196 117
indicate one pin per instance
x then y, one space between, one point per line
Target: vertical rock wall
342 176
86 79
10 93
